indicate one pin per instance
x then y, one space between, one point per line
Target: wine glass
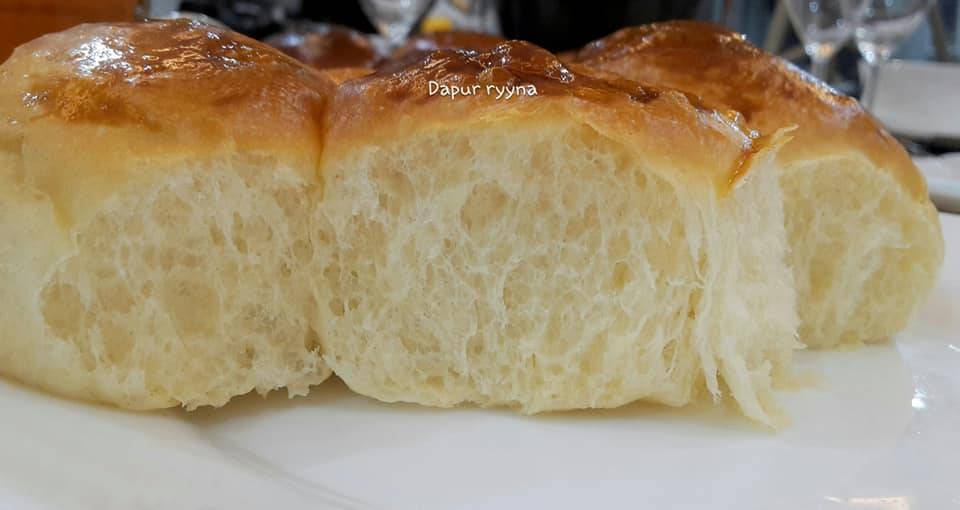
395 19
822 26
881 25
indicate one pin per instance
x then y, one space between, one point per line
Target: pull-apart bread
584 243
865 240
156 185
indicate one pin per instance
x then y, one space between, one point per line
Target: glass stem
396 33
869 85
820 67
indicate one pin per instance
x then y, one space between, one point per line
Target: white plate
878 431
919 100
943 179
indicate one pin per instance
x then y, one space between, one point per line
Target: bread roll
325 46
155 187
865 240
422 45
593 244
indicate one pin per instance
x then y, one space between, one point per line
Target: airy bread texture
865 240
156 184
591 245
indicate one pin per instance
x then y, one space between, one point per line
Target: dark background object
555 25
341 12
256 18
560 26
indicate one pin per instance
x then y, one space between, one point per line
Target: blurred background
820 34
552 24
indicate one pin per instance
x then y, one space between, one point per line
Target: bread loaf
156 184
865 240
582 244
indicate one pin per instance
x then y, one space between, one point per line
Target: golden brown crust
724 69
82 106
163 73
659 123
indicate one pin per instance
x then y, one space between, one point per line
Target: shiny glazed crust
166 89
725 70
704 142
